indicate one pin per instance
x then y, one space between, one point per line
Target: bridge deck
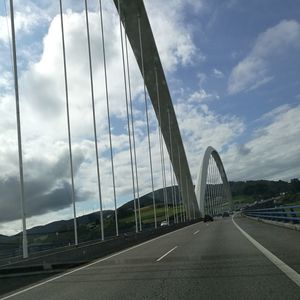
204 260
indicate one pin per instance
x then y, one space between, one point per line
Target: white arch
202 176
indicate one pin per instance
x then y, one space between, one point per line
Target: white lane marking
288 271
91 264
197 231
166 253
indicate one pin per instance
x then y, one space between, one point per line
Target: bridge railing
281 213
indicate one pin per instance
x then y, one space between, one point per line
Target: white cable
128 120
147 119
68 123
93 109
22 197
133 135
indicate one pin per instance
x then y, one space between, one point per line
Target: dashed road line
159 259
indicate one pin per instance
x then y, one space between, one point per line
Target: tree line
264 189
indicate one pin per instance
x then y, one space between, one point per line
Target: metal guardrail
281 213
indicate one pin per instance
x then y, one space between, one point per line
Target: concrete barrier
276 223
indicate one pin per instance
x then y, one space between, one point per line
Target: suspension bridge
228 258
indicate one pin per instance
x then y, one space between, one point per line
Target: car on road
164 223
208 218
225 214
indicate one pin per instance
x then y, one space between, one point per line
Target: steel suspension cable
165 180
22 196
165 193
9 35
181 184
175 196
188 199
94 117
217 187
128 120
133 136
147 118
207 190
161 147
172 192
171 169
179 203
205 200
210 186
68 121
108 119
224 197
220 192
213 187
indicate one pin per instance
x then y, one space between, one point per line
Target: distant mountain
264 189
3 238
147 200
251 189
67 225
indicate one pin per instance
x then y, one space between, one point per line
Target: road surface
202 261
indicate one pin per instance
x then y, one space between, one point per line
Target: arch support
132 13
201 184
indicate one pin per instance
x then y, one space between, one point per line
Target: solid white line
196 232
288 271
91 264
166 254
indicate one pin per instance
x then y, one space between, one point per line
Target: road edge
287 270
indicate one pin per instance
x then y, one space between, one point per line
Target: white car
164 223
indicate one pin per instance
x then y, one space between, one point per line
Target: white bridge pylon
212 187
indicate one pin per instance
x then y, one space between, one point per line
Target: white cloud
253 71
200 127
273 151
217 73
275 112
201 96
173 37
26 16
202 78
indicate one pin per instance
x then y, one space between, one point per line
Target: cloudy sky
233 69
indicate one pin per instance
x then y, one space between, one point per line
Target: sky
233 70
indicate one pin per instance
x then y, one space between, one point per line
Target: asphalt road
202 261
